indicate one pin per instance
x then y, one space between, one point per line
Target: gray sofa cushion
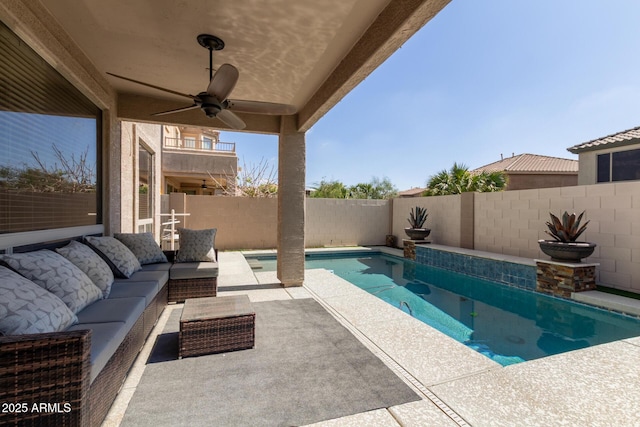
160 276
26 308
121 260
124 289
127 310
193 270
105 340
163 266
87 260
56 274
143 246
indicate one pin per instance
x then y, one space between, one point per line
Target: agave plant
567 230
417 218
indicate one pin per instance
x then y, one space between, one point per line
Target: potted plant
564 247
416 220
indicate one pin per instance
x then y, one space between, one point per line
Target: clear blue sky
480 79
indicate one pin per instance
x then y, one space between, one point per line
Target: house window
145 190
207 143
625 165
604 167
189 142
619 166
49 145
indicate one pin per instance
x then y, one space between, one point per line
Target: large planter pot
417 233
567 252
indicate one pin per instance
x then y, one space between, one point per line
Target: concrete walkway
597 386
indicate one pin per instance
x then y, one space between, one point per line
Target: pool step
254 264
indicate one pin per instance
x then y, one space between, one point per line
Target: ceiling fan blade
231 120
177 110
153 86
223 82
258 107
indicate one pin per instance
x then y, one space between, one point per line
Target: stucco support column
291 203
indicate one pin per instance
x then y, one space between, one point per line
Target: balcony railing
200 144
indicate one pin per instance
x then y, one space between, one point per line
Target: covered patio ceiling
308 54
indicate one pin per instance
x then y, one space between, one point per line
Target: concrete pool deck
599 385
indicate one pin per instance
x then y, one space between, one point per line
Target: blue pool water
507 324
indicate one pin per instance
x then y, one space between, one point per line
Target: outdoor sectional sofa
71 375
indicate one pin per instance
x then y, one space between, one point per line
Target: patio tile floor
595 386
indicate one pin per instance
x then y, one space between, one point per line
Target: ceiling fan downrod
212 43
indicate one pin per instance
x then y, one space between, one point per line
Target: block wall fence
509 222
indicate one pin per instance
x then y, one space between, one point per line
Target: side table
215 325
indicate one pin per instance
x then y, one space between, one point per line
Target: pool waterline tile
512 271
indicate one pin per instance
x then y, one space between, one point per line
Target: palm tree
459 180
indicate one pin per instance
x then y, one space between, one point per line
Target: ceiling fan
214 101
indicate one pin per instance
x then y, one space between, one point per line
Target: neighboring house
194 161
413 192
611 158
526 171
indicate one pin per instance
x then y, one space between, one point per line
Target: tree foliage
459 179
68 175
330 190
252 180
375 189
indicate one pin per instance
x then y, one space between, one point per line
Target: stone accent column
291 203
409 248
562 279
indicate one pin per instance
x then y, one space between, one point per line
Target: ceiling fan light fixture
211 110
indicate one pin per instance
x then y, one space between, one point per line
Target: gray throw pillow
26 308
196 245
143 246
121 260
57 275
87 260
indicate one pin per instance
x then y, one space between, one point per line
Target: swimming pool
507 324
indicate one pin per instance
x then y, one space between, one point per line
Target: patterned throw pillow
87 260
26 308
57 275
143 246
121 260
196 245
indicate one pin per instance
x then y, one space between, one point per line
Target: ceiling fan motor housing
210 105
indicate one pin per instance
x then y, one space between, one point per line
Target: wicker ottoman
215 325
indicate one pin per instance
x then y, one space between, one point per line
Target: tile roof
630 136
531 163
413 192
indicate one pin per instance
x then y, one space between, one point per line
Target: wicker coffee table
215 325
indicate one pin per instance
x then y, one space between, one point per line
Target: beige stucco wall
443 218
346 222
250 223
242 222
511 222
133 135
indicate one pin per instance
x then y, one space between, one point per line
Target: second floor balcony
199 144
